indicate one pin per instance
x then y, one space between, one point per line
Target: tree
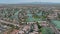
39 27
59 16
16 27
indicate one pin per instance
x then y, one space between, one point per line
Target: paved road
9 23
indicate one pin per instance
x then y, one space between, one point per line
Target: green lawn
57 23
46 30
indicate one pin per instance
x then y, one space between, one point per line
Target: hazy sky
28 1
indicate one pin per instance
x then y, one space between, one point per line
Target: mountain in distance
30 4
39 3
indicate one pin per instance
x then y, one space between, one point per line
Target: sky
27 1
